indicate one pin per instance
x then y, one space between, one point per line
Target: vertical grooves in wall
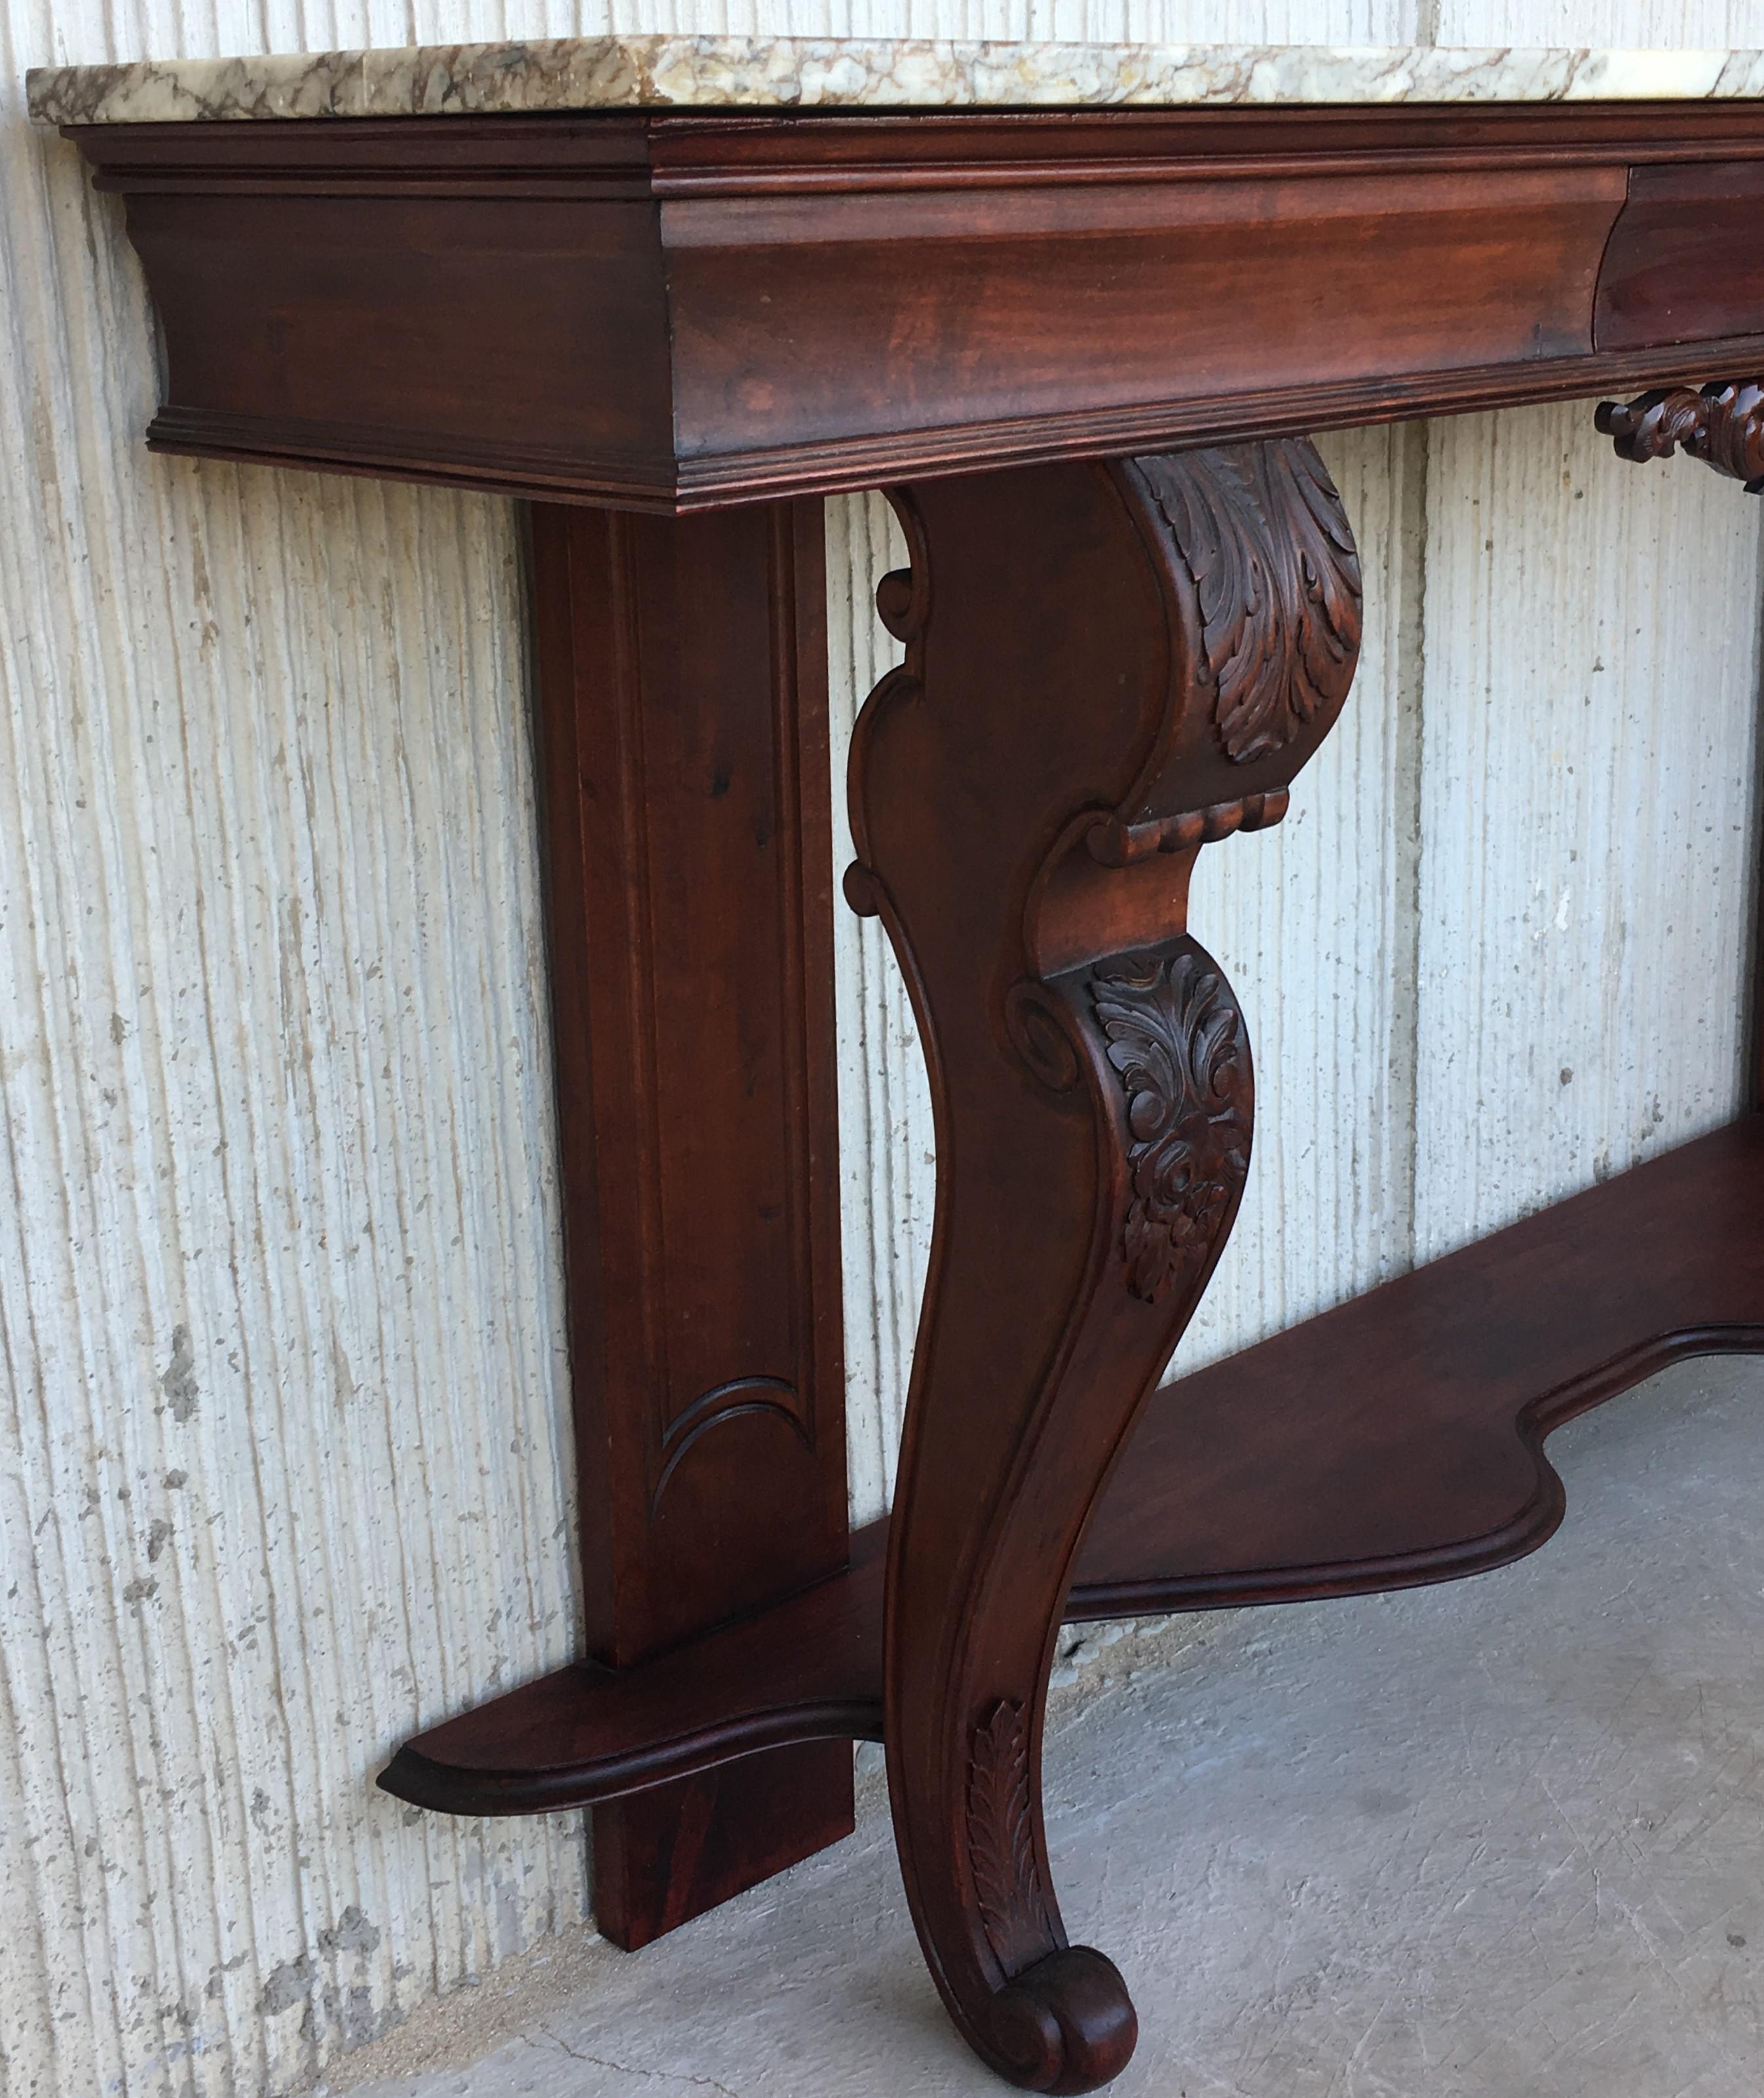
887 1158
1586 811
285 1461
1410 725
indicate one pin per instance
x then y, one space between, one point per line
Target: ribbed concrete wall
283 1447
280 1451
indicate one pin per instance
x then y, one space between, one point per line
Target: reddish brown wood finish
1395 1441
1101 664
664 1856
1399 1438
807 1669
590 307
1720 424
1684 255
681 670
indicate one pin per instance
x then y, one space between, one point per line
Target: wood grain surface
683 767
589 308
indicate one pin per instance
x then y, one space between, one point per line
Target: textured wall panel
887 1153
1587 801
1615 24
281 1449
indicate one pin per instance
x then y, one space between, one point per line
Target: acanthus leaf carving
1720 424
1268 547
1001 1840
1176 1040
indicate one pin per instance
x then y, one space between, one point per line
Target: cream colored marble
801 73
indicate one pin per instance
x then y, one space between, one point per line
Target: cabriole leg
1107 667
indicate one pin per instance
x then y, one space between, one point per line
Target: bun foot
1066 2024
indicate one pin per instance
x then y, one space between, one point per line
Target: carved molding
1116 844
1262 531
1722 424
1001 1840
741 1397
1177 1041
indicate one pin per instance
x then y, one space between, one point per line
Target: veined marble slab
800 72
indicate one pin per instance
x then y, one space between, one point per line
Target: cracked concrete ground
1504 1838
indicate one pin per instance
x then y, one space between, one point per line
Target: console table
1076 308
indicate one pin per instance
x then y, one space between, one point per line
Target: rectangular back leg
682 672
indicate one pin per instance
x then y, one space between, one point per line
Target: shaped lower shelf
1396 1440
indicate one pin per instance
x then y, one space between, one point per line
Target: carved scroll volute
1720 424
1262 583
1084 701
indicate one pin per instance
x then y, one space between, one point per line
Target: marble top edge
731 72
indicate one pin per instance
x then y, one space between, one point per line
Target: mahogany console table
672 292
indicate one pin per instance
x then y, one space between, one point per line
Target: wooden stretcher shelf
1396 1440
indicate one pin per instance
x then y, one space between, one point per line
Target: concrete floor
1503 1838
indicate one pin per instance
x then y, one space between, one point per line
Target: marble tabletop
800 72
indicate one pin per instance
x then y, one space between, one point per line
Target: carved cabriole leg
1107 667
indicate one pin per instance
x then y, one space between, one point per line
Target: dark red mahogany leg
1107 666
682 689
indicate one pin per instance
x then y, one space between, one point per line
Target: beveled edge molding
844 465
691 163
539 473
674 157
854 465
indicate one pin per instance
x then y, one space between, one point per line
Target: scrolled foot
1066 2024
